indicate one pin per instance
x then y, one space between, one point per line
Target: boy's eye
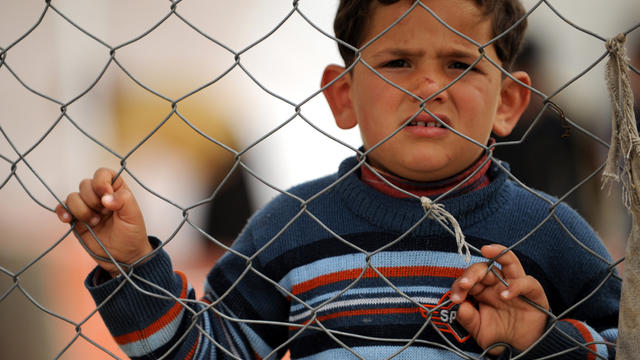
397 63
459 65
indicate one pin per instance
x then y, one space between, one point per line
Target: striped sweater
334 269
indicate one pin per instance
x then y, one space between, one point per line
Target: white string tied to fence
438 212
623 165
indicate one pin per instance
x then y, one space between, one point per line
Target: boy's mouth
425 120
426 124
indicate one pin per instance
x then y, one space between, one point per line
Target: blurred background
117 66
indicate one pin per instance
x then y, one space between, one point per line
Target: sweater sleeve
571 339
156 313
589 331
149 314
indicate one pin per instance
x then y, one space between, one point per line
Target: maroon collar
430 189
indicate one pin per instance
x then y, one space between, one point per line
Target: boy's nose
430 88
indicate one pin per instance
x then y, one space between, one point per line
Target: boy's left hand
500 316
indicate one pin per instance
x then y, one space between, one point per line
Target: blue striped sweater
334 269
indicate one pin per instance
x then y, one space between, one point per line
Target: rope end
438 212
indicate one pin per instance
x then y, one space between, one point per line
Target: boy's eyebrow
463 53
399 52
405 52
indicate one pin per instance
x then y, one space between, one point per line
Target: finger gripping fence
274 294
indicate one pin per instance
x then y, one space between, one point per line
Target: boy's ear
338 96
514 99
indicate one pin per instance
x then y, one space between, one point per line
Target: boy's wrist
113 272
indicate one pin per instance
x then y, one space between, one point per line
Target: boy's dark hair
353 15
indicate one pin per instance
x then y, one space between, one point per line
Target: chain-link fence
191 123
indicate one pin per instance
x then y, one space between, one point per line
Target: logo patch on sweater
444 318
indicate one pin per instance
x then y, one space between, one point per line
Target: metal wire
18 160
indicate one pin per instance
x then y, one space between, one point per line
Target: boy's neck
478 180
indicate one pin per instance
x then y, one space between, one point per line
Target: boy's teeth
426 124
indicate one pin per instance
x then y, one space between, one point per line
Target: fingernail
94 221
505 294
66 216
455 298
107 199
464 280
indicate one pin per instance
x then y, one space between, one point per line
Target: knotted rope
625 141
438 212
623 165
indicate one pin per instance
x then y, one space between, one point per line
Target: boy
351 265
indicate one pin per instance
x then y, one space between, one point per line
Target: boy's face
422 56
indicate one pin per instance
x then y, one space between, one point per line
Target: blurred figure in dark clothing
230 209
552 157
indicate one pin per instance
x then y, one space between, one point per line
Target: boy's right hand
501 316
114 216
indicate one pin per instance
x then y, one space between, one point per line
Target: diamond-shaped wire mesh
195 123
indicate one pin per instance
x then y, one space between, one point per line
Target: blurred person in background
552 157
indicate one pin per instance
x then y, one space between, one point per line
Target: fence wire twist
19 159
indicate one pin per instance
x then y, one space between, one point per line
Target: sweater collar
400 214
473 178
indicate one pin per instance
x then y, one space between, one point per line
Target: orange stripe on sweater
586 335
163 321
388 272
193 350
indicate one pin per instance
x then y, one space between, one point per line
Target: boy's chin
423 175
418 167
436 168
